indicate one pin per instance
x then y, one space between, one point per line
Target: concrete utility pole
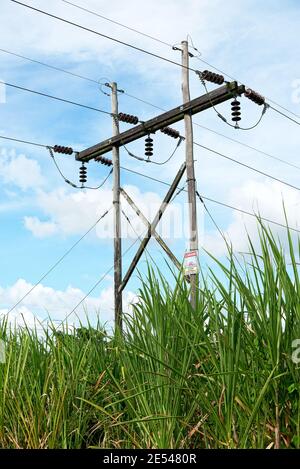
117 211
190 170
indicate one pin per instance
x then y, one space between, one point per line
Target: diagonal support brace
153 226
148 224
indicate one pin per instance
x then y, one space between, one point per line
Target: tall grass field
224 375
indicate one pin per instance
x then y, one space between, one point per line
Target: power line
235 79
117 23
24 141
245 212
284 115
98 283
212 218
210 199
160 163
111 268
251 168
22 88
59 260
170 45
101 35
266 154
48 65
144 51
247 166
72 183
223 118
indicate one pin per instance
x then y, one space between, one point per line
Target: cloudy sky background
41 217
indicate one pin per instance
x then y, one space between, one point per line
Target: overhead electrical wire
247 166
72 183
107 272
235 79
182 189
22 88
251 168
59 260
24 57
24 141
98 283
160 163
266 154
131 246
50 148
105 213
167 184
172 46
235 126
212 218
117 23
142 50
88 107
138 173
284 115
102 35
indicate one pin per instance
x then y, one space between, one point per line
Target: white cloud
20 318
44 301
265 199
40 229
44 34
18 170
70 213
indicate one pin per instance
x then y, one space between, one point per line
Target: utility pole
160 122
190 170
117 211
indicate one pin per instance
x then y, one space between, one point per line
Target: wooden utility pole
117 212
190 170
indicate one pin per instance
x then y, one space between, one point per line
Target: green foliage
220 376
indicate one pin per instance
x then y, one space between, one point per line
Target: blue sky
41 217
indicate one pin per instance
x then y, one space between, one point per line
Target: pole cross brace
152 226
